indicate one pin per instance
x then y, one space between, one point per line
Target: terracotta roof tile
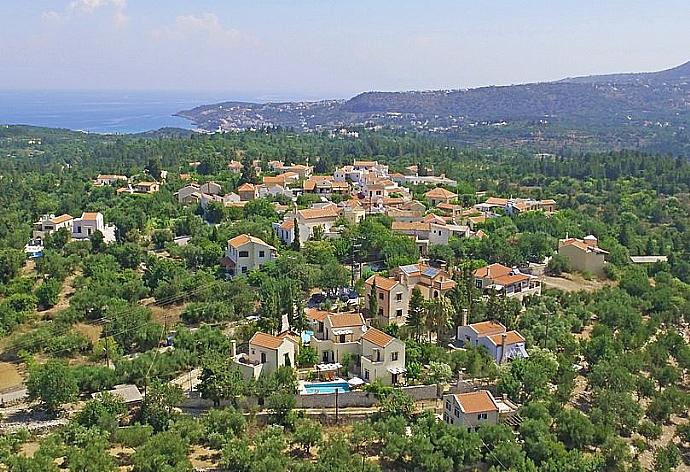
492 271
487 328
316 314
61 219
512 337
89 216
440 192
476 402
378 337
346 320
383 283
266 341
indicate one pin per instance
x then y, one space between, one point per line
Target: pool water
326 387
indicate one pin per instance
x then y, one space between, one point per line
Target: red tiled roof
476 402
512 337
487 328
378 337
266 341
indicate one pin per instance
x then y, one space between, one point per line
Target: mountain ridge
628 110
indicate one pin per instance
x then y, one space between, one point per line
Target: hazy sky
323 48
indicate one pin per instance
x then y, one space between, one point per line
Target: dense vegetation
607 369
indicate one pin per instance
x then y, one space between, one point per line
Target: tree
280 406
48 293
237 455
11 261
102 412
53 383
296 243
439 372
90 454
373 300
166 451
396 403
160 237
557 265
415 313
248 174
439 315
214 213
97 241
307 434
159 405
574 428
154 167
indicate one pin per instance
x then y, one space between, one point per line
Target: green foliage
53 383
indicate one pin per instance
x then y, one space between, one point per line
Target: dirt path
573 283
63 300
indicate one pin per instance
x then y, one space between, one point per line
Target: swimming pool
326 387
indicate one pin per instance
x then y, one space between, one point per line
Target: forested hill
646 111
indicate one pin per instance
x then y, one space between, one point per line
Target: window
447 404
380 311
398 297
482 416
263 357
366 374
394 356
342 338
445 418
457 413
398 313
380 295
245 269
78 229
262 253
478 283
244 253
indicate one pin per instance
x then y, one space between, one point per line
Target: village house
303 171
393 293
235 166
320 216
90 222
285 230
266 354
432 282
516 206
470 410
245 253
352 211
48 224
373 354
423 180
505 280
439 195
141 187
129 394
501 344
108 179
325 185
281 179
392 298
584 255
247 192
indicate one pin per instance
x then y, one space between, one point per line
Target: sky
328 49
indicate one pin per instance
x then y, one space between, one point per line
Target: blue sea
105 111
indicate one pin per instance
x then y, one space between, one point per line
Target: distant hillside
649 111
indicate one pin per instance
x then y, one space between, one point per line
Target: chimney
233 348
503 347
464 316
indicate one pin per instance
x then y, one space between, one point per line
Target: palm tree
439 315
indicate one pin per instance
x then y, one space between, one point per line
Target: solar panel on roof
430 271
410 268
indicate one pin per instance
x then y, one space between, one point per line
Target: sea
108 112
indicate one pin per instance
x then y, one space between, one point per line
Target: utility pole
336 404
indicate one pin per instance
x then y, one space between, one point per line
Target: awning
397 370
355 381
338 332
328 367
